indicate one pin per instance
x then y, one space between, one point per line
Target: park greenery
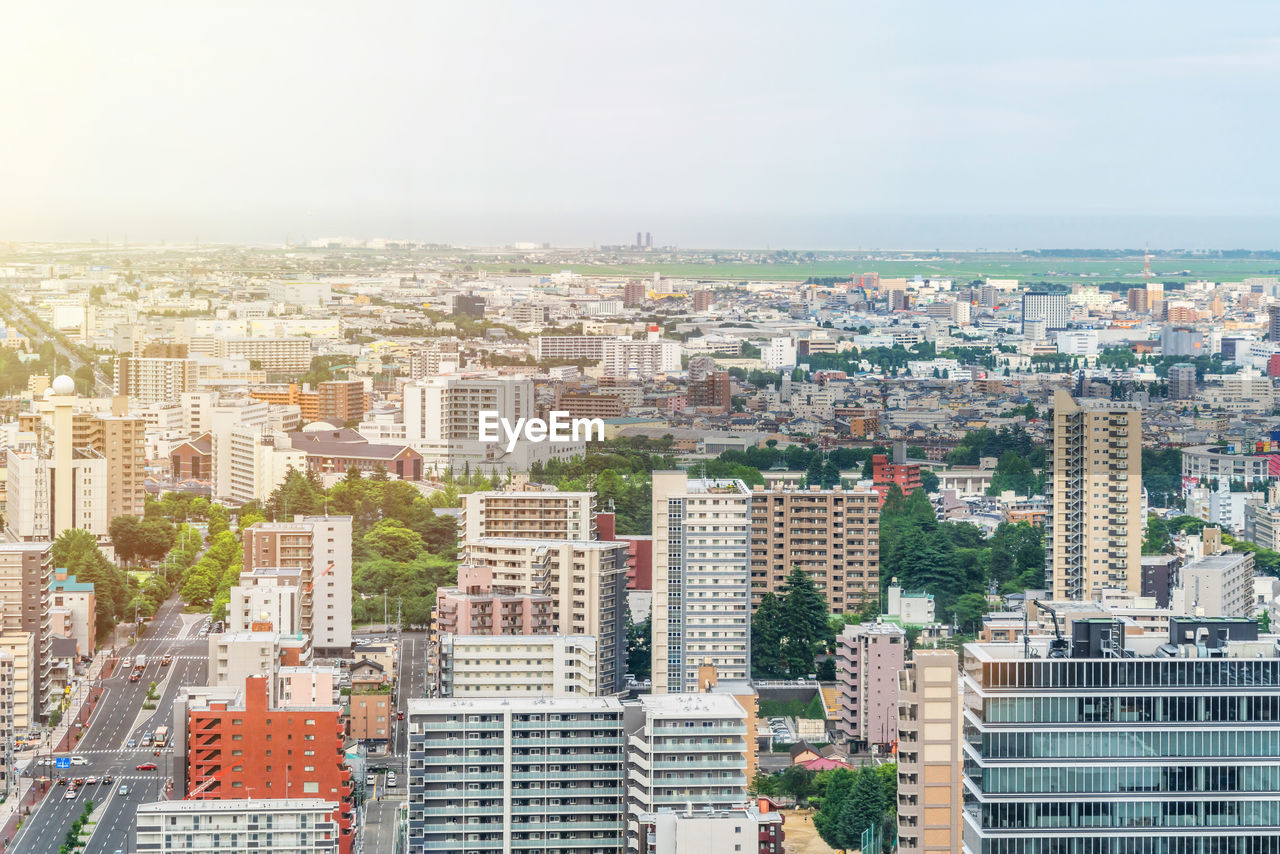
77 551
849 800
789 631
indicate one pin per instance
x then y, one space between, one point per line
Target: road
118 717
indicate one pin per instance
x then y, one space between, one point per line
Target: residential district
844 562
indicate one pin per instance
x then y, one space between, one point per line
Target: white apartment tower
701 579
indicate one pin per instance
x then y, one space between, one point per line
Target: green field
962 268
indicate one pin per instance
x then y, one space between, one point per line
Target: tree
805 629
392 540
125 537
766 637
969 610
1156 541
300 494
218 520
639 648
796 781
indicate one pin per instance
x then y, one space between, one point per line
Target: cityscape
485 428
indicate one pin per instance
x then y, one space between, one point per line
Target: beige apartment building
514 665
28 705
586 580
121 440
832 534
154 380
1093 534
534 514
929 754
26 624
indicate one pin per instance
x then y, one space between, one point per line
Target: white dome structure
64 385
318 427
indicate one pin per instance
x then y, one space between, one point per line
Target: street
118 717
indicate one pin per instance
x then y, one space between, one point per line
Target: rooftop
491 705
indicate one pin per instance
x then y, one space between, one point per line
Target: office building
469 305
869 658
236 745
779 354
1151 743
832 534
530 514
320 546
586 579
148 380
511 665
685 750
1181 341
278 825
1182 382
1093 533
929 754
701 579
1054 310
516 774
756 828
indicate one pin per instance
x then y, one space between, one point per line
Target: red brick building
243 748
193 459
885 473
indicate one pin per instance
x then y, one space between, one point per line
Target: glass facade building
1166 749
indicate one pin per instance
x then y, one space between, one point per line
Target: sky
842 125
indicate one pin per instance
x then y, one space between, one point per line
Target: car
79 781
133 742
70 795
62 781
146 766
391 779
107 780
91 781
370 779
164 662
124 791
399 716
79 760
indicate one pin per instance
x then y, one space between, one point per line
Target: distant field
962 269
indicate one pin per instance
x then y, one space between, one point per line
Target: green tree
805 628
126 538
1156 541
639 648
767 661
300 494
392 540
969 610
218 520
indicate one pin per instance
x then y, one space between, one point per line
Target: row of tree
849 800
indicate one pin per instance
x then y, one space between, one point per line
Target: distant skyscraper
1273 328
1093 535
648 240
639 242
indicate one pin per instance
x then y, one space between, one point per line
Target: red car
147 766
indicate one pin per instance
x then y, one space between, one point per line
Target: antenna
1146 264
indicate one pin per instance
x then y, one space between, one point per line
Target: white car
370 779
71 794
79 760
391 779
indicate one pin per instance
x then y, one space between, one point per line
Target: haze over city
819 125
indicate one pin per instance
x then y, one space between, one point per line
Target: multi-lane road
118 717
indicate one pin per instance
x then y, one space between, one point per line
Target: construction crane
1057 646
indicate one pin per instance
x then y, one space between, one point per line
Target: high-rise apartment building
1093 534
1053 309
320 546
685 750
434 357
832 534
517 774
236 745
703 299
869 658
1182 382
586 580
513 665
712 392
1273 323
284 355
278 825
625 357
26 579
121 440
1125 744
442 422
530 514
634 293
147 380
701 579
929 754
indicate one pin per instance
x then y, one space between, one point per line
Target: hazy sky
804 124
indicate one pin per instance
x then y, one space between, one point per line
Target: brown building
712 393
370 715
929 754
832 534
702 300
633 293
121 440
336 451
587 405
193 459
862 421
341 401
1138 300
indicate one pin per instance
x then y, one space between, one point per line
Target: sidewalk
32 791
